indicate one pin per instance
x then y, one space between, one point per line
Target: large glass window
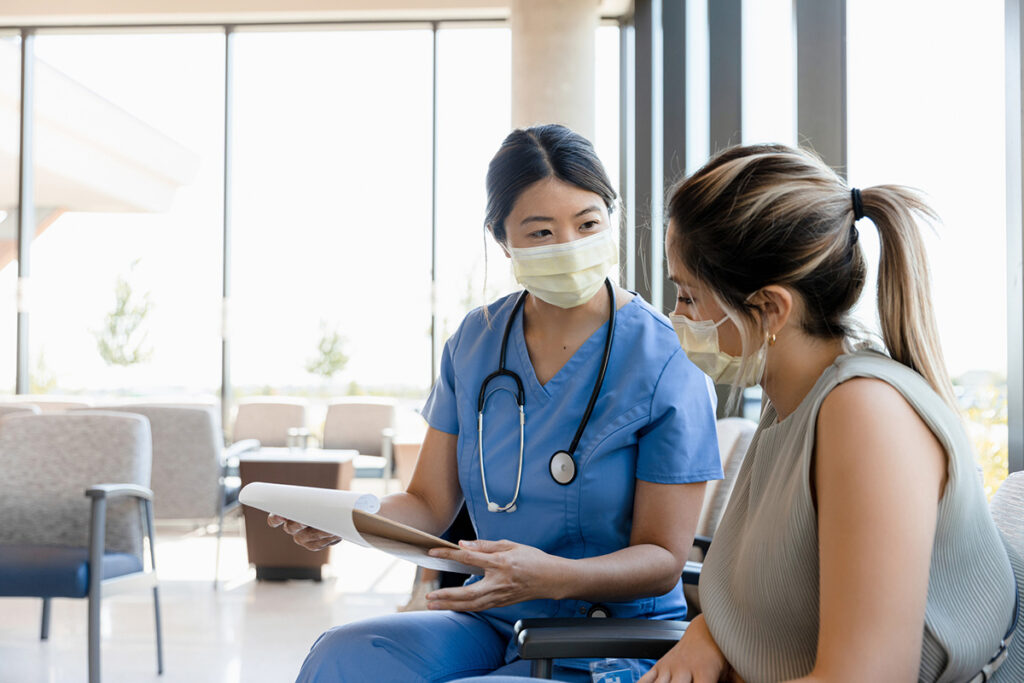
769 72
10 108
126 261
926 106
472 122
331 212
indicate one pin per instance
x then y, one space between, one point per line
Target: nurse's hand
308 537
513 573
694 659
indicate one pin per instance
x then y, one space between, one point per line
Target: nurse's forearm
635 572
433 496
409 508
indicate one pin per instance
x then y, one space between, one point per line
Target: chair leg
147 507
220 530
540 668
94 636
44 631
159 632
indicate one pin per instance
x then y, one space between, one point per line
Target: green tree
122 339
330 358
42 378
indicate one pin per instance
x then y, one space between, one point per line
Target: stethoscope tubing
520 394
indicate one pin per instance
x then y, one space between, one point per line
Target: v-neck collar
581 356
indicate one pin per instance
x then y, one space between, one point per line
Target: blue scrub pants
409 647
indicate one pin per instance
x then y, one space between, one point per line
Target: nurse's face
694 300
552 211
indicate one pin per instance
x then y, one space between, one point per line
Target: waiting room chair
544 640
367 425
268 420
77 512
18 409
190 464
734 436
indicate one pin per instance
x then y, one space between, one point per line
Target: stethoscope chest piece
563 468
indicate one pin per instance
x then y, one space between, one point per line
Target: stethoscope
562 464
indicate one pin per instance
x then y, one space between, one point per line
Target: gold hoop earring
771 339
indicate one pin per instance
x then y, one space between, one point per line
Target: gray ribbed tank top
759 584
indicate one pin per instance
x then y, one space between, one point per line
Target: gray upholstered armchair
76 507
18 409
190 464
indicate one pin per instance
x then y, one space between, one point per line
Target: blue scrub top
654 420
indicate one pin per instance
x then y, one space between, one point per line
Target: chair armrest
571 638
99 494
691 573
239 447
102 491
702 542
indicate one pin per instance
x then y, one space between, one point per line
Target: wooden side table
273 552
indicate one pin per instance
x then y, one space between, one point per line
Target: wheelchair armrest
103 491
565 638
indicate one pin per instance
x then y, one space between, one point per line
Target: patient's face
695 301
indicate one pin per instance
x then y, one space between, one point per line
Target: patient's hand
308 537
694 658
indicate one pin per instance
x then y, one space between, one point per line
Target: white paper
324 509
331 510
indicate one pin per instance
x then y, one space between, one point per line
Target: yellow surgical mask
568 274
699 339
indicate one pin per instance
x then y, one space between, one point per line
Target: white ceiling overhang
85 12
90 155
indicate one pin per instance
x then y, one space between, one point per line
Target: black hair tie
858 205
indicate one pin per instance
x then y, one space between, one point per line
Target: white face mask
568 274
699 339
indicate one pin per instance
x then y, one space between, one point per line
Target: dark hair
768 214
531 154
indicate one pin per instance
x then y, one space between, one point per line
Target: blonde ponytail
904 290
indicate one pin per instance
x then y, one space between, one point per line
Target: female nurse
573 426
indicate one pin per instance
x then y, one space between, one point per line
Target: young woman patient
857 544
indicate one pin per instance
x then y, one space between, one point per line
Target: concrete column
553 53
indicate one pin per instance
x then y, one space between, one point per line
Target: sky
331 207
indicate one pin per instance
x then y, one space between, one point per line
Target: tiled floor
246 632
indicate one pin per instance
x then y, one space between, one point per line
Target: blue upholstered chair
75 496
190 464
